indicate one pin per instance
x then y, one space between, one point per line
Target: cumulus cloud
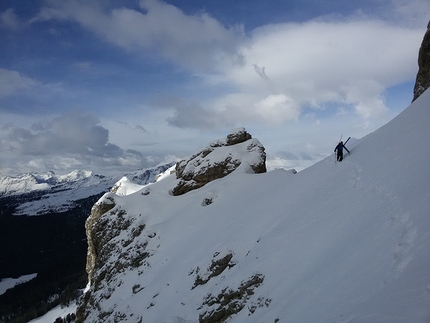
73 133
367 96
407 13
193 41
278 107
312 64
68 141
193 115
12 82
9 20
272 73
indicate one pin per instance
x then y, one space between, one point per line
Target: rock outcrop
113 246
103 205
121 239
219 159
422 82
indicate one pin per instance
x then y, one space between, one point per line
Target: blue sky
112 86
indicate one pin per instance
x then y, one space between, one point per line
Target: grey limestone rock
219 159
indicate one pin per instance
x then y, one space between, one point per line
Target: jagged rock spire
423 76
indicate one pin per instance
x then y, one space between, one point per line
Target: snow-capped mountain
28 183
338 242
22 184
49 192
50 247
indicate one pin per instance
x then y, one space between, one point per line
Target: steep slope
337 242
51 244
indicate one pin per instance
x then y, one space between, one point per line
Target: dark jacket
339 148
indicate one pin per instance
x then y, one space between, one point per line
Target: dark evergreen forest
52 245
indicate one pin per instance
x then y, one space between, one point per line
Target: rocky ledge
220 158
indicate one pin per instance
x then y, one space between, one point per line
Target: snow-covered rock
220 158
337 242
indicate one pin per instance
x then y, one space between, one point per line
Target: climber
339 150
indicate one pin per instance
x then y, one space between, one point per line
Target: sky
114 86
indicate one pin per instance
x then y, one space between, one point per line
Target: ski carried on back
339 150
347 140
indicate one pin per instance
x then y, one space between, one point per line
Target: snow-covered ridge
27 183
76 175
59 193
22 184
125 187
337 242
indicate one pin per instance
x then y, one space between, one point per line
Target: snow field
337 242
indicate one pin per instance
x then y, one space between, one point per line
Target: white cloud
367 96
73 140
191 115
326 60
408 13
12 82
8 19
193 41
277 108
273 75
74 133
348 62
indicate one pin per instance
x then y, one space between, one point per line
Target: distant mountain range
42 231
42 193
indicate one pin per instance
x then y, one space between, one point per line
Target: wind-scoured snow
126 187
337 242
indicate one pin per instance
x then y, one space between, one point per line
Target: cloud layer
68 141
193 41
273 73
315 63
13 82
179 74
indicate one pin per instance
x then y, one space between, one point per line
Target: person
339 150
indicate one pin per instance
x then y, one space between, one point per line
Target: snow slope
57 312
8 283
337 242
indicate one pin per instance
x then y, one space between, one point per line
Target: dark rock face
237 137
423 76
219 159
109 255
96 212
232 301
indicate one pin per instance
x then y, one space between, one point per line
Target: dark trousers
339 155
